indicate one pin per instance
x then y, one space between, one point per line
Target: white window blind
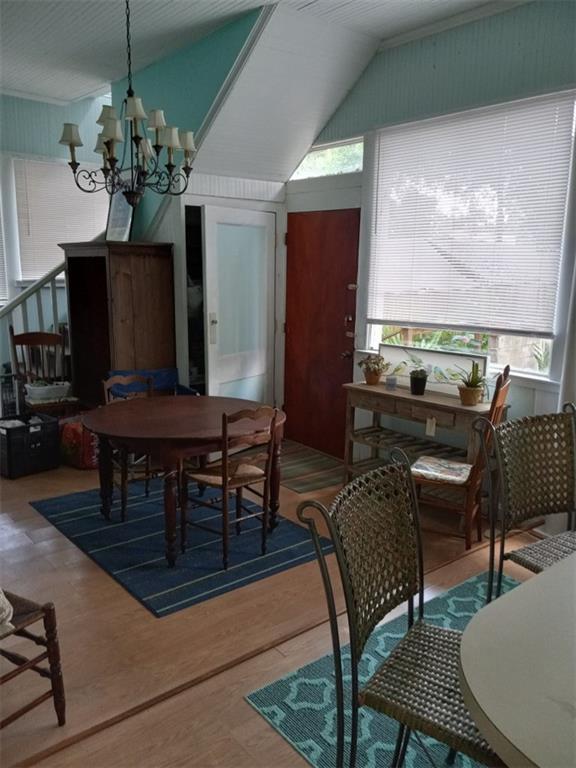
467 218
3 280
52 210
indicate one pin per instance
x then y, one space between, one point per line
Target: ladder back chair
116 389
240 469
430 472
373 523
26 613
536 477
37 356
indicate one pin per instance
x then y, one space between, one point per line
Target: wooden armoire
120 311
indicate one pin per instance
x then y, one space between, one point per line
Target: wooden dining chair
25 613
246 464
374 526
463 480
536 477
37 356
117 389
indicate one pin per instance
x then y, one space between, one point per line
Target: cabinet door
142 308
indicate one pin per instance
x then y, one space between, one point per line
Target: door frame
169 226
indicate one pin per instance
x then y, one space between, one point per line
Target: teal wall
525 51
34 127
185 85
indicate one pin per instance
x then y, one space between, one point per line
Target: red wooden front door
320 317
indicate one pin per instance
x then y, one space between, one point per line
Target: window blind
467 218
3 279
52 210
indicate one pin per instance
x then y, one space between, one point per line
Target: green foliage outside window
331 161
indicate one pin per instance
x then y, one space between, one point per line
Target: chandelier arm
168 184
87 181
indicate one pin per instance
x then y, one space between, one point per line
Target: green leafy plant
419 373
374 364
472 379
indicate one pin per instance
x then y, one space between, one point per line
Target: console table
446 411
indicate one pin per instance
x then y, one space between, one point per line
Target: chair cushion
418 685
544 553
244 473
441 470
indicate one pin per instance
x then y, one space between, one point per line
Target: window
52 210
466 228
330 161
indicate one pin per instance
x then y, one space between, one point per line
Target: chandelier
141 166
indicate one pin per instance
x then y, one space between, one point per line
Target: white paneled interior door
239 269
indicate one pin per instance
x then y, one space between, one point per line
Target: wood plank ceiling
63 50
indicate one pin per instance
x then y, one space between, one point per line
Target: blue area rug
302 705
133 552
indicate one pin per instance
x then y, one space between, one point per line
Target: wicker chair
116 389
26 613
536 477
464 480
374 526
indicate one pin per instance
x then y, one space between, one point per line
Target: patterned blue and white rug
133 552
302 705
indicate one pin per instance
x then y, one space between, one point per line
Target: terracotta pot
372 377
470 395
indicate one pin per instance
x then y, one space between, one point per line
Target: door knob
346 354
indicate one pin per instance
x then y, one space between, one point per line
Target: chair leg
238 509
183 498
53 648
265 524
123 483
225 528
451 757
399 743
147 477
404 747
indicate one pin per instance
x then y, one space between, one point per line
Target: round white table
518 670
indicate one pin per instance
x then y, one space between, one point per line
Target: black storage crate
29 447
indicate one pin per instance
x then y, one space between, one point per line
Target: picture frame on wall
444 366
120 215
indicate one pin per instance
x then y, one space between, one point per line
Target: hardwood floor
167 691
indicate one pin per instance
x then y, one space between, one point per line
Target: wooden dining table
169 430
518 670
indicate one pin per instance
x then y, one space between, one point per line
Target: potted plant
418 379
373 366
472 384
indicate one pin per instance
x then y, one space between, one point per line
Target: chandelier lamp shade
149 155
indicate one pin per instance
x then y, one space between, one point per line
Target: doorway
322 267
239 301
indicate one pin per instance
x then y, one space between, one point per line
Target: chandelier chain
128 47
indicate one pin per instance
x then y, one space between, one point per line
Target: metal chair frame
375 510
502 510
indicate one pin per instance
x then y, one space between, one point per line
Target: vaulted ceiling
63 50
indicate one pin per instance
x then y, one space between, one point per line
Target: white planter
56 391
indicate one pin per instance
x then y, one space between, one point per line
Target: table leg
275 484
170 514
105 472
348 444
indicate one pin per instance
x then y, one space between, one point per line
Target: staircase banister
31 290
